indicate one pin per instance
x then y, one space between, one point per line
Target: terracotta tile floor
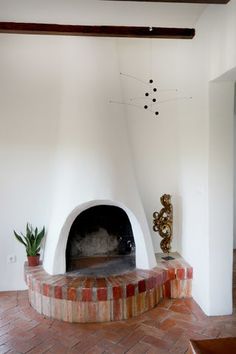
165 329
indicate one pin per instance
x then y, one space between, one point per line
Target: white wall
176 152
221 63
29 109
234 207
221 195
153 139
219 25
96 12
170 151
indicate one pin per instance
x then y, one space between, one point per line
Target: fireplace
93 171
100 242
130 236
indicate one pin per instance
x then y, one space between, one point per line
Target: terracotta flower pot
33 260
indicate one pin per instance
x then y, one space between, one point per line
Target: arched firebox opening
100 242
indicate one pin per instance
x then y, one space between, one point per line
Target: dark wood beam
217 2
96 31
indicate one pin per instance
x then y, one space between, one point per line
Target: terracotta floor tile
195 309
6 328
38 350
180 347
85 344
194 335
18 333
44 346
188 326
165 329
184 317
212 332
181 308
151 323
4 348
165 303
111 348
25 324
5 339
57 349
132 339
228 332
4 321
67 341
95 350
159 313
112 336
139 348
24 346
167 324
153 350
157 343
153 331
173 334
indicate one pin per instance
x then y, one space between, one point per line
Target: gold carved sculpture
163 223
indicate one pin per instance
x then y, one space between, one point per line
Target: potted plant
32 241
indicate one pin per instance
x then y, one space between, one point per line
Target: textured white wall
176 152
93 156
29 110
221 196
220 39
234 166
221 63
96 12
154 139
170 150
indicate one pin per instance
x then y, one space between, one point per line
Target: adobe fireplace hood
93 159
55 252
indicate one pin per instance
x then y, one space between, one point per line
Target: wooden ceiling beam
96 31
217 2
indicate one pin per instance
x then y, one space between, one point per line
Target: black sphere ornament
153 100
155 90
156 113
150 81
145 107
146 94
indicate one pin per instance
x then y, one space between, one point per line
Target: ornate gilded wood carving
163 222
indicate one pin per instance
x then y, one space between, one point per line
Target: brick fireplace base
113 298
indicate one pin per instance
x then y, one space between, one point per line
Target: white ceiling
99 12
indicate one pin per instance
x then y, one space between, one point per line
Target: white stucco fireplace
93 164
55 252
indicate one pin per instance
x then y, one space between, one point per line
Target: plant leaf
19 238
31 240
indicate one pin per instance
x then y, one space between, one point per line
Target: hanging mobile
149 96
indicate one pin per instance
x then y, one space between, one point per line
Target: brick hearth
112 298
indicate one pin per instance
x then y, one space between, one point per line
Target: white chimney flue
93 158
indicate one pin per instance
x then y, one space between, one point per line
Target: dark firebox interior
100 241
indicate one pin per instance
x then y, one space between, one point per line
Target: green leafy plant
31 240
